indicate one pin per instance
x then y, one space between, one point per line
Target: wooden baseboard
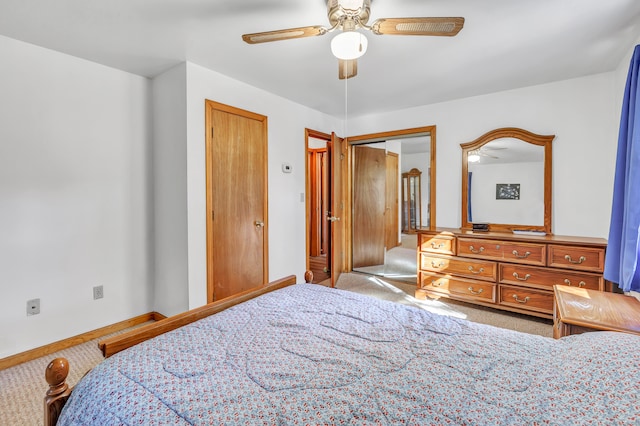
45 350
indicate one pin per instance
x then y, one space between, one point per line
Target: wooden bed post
308 277
56 375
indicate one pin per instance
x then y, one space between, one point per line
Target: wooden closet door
237 241
369 171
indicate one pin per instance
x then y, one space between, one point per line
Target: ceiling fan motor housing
340 11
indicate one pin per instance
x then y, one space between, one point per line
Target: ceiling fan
475 155
351 15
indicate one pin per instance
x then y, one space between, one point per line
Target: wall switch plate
98 292
33 307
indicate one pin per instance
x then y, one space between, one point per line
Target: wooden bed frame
58 369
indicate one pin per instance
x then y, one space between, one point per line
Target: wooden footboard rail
123 341
58 369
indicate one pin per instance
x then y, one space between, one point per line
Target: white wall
74 195
580 112
170 295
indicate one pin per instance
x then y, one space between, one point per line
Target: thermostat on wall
286 168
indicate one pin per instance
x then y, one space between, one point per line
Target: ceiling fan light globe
349 45
473 157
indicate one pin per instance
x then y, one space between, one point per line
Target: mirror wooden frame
525 136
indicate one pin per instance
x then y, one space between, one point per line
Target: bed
307 354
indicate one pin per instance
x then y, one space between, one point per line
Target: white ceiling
504 44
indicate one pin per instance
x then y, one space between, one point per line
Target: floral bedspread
308 355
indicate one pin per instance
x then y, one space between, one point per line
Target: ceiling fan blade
347 68
284 34
418 26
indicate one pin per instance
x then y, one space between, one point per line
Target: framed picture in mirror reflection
507 191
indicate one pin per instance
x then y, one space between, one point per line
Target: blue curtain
621 265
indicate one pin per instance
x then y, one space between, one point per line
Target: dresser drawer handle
473 250
581 284
525 300
436 246
576 262
517 277
479 271
437 265
436 283
524 256
475 292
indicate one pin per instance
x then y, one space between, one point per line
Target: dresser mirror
506 181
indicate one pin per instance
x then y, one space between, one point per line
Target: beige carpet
22 388
403 293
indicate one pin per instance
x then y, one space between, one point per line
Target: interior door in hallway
236 170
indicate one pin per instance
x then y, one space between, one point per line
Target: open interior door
337 172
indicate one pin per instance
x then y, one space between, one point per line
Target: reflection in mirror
380 244
411 201
506 181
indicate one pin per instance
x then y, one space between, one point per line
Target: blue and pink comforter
308 355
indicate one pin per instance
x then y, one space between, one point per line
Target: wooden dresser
504 270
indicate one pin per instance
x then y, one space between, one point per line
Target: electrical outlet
33 307
98 292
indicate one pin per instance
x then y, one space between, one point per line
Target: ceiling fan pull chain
346 99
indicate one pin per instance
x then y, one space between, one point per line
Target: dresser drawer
441 244
481 249
470 268
525 298
526 253
571 257
468 289
546 278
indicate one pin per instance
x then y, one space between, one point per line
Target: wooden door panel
236 195
337 170
368 206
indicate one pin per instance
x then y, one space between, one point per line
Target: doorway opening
388 208
318 202
326 212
